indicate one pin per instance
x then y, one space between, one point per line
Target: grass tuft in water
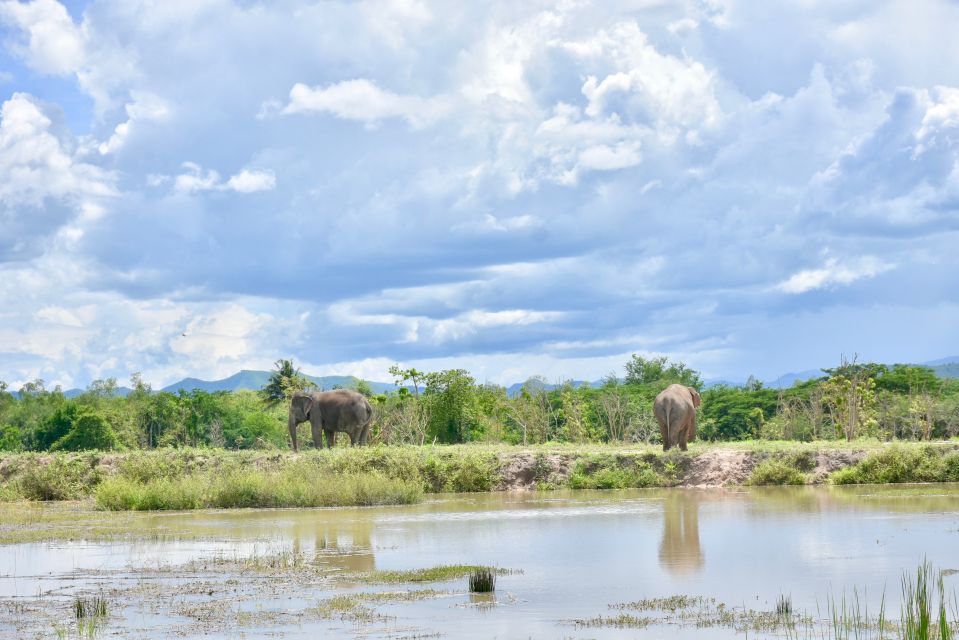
920 619
784 606
95 607
482 580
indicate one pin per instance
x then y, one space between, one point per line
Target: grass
776 471
254 489
196 478
482 580
898 463
440 573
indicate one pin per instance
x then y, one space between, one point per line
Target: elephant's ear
300 403
697 399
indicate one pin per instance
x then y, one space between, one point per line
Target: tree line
849 401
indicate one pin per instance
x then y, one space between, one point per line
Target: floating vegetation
482 580
348 608
622 621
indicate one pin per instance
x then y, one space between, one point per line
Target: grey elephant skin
675 411
331 411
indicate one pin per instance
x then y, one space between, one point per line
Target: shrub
59 478
775 472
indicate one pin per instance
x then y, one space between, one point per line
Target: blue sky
192 187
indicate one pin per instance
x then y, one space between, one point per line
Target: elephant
331 411
675 411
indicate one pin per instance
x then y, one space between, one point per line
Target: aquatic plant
482 580
784 605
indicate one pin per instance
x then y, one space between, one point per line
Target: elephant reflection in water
344 546
679 550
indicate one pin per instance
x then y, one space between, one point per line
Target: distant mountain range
253 380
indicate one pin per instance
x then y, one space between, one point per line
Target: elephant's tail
669 434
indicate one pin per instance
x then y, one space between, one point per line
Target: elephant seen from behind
331 411
675 411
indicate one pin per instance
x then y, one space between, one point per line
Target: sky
194 187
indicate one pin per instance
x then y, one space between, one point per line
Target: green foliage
609 472
453 405
88 430
58 478
256 430
899 464
775 471
641 370
877 401
734 413
284 381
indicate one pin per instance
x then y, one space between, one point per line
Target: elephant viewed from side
331 411
675 411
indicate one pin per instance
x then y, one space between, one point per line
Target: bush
775 472
897 464
59 478
606 472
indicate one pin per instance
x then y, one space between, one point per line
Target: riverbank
198 478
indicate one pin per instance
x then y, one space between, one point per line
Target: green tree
644 371
285 380
453 407
89 430
401 376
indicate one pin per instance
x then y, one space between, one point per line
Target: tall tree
285 380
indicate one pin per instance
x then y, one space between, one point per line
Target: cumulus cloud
527 182
52 43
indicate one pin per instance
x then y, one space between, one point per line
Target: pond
571 558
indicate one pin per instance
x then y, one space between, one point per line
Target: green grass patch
776 472
902 464
441 573
255 489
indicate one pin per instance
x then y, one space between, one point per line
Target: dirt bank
704 466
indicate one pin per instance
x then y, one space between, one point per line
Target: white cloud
53 44
145 107
250 181
196 179
36 164
652 86
362 100
834 273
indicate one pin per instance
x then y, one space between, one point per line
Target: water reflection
345 546
679 549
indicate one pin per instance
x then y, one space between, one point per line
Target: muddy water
209 574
